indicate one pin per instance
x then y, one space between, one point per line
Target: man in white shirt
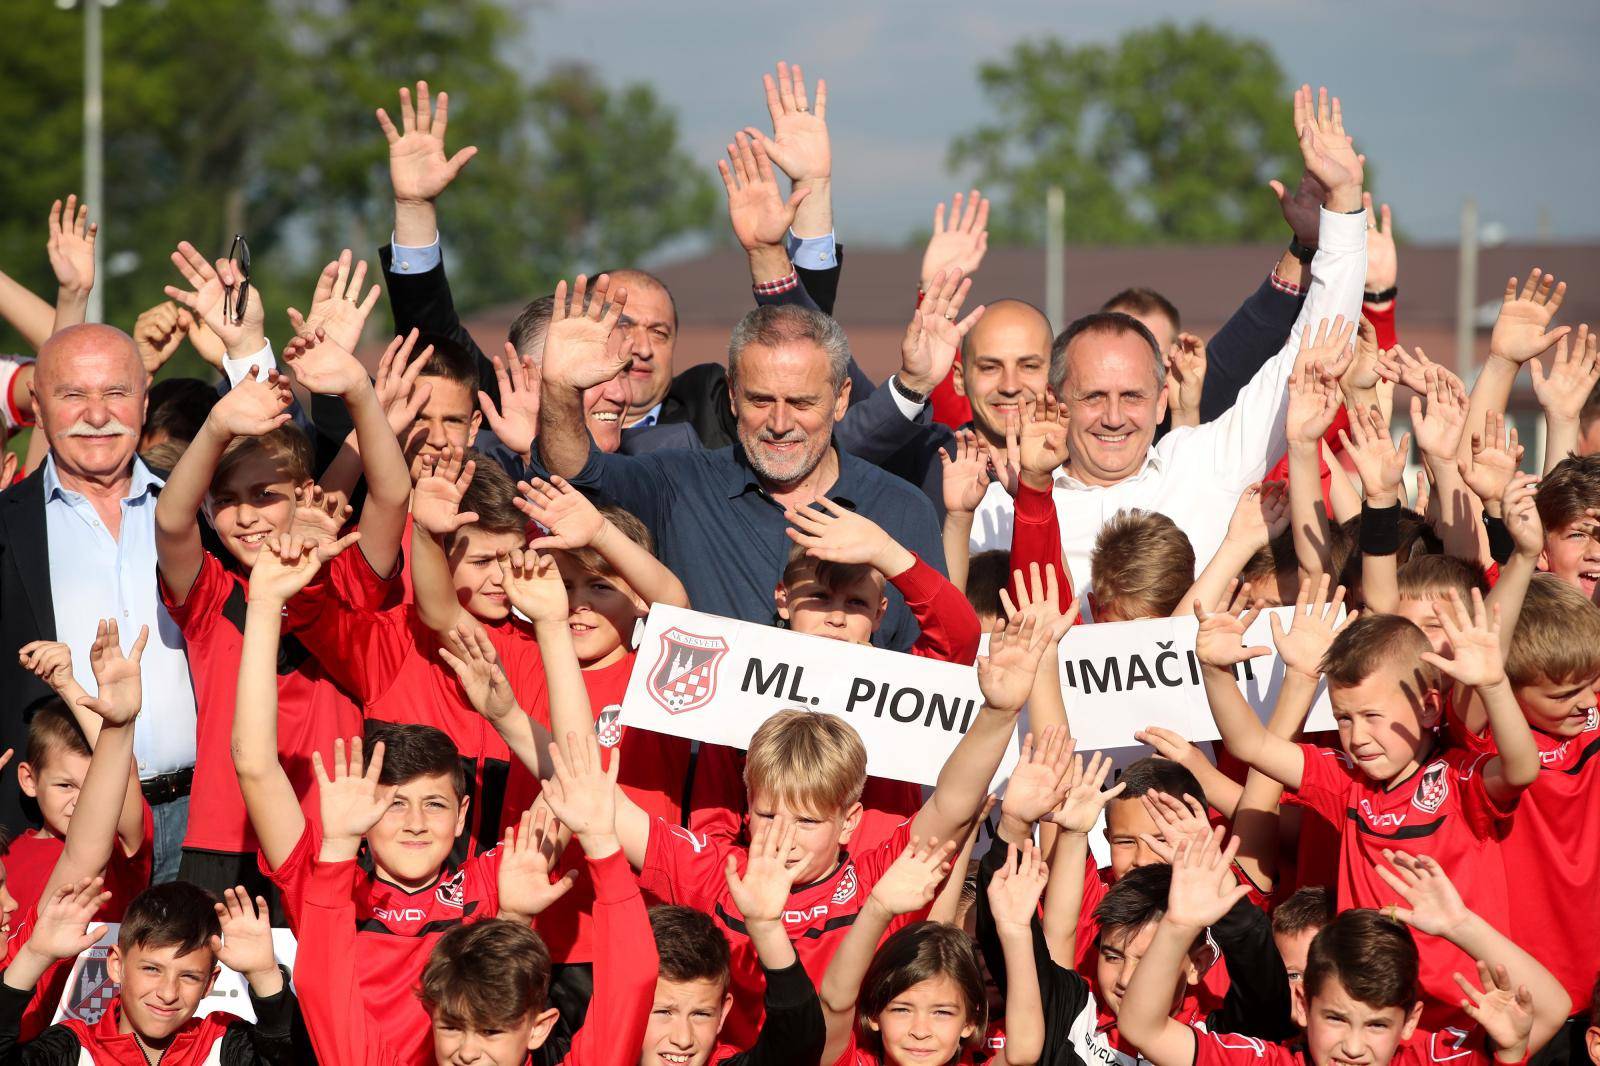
1107 370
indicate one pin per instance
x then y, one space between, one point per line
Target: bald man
77 544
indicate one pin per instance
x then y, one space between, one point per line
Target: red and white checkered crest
685 674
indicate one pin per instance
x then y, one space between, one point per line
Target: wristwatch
910 394
1303 252
1380 297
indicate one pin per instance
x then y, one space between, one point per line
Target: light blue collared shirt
812 253
95 576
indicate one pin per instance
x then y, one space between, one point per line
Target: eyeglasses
238 294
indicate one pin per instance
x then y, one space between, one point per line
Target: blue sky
1450 98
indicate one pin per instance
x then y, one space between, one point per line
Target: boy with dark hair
1360 999
1568 498
1296 921
484 985
164 963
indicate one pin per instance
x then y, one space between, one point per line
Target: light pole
93 141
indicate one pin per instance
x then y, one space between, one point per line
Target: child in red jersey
1296 921
484 986
164 963
61 740
242 471
692 999
1391 786
1360 1000
412 894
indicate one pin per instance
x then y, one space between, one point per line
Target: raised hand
799 142
1379 461
256 406
206 298
1302 209
1171 745
1435 905
399 393
577 349
1573 375
763 891
928 349
1313 403
1006 674
1366 369
1261 514
1398 366
419 170
1041 439
1220 639
319 516
959 239
1039 782
966 474
1186 377
1503 1011
912 880
50 661
1326 148
436 499
71 245
1519 509
1474 638
1177 821
1439 429
203 338
582 793
1314 625
245 945
157 333
338 318
352 801
62 929
837 534
116 675
288 562
1015 889
1520 331
515 420
1329 347
529 853
467 650
573 521
1383 265
1203 887
534 586
1080 808
756 207
1039 598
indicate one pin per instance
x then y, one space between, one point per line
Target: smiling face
1559 708
253 501
786 405
649 331
412 841
1572 553
55 785
161 989
1114 403
604 407
1005 360
89 388
602 615
818 837
1385 720
475 571
1343 1031
685 1019
849 609
925 1024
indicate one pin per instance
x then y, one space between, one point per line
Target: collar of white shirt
142 481
1152 465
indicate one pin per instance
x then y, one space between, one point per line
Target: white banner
90 989
716 679
1118 677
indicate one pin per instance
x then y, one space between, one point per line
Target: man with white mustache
77 544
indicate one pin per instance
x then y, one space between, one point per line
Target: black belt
164 788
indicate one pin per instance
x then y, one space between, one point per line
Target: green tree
1170 134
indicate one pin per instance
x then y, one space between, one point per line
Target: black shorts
218 871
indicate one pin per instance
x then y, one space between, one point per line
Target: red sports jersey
47 990
32 858
1423 1049
312 710
197 1043
394 929
681 867
346 1031
1442 811
654 770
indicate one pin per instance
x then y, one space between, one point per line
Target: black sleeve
423 301
1255 333
823 285
56 1046
793 1030
1257 1003
277 1038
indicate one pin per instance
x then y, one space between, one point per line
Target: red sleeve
293 876
949 406
203 606
681 867
1382 324
361 650
717 801
1487 819
481 881
1094 890
1280 471
950 629
1236 1049
625 968
1324 782
350 579
325 979
1036 538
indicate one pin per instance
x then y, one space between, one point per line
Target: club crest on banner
685 674
94 990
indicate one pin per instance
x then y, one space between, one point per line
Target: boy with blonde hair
1141 566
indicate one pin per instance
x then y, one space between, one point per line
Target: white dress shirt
93 576
1194 474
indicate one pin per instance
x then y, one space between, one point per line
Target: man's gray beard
760 467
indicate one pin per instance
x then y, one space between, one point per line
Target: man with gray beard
718 516
77 544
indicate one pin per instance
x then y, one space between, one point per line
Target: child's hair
1417 538
413 751
1557 636
1155 774
1279 559
51 731
487 975
987 573
1138 898
449 361
1426 577
177 914
286 446
1594 997
1569 490
1143 301
920 952
178 407
1142 565
691 946
628 525
1373 957
1373 641
1310 907
163 457
830 575
813 762
490 496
